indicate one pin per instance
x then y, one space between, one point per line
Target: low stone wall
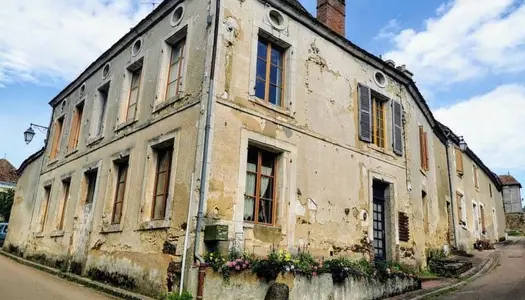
515 221
247 286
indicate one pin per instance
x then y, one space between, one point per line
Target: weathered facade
296 138
511 194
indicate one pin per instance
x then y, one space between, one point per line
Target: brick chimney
332 14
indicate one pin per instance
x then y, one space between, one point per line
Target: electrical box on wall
216 233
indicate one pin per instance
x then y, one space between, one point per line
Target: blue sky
468 57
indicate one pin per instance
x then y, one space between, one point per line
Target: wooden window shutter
404 231
397 127
54 144
425 142
72 132
422 147
459 161
365 114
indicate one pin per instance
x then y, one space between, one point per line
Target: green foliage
270 266
6 203
435 254
175 296
514 233
305 264
215 260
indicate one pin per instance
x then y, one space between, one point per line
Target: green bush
514 233
175 296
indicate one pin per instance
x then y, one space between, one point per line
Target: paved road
20 282
506 282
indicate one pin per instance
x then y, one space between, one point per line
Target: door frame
392 232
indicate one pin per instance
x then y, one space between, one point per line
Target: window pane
175 53
249 208
250 184
120 193
260 89
276 56
261 69
252 160
275 76
266 187
123 171
132 110
174 72
275 95
135 78
158 210
164 159
265 211
268 162
170 93
262 49
117 213
161 183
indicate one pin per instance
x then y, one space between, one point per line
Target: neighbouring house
8 175
246 124
511 194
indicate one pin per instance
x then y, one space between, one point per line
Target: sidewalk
482 262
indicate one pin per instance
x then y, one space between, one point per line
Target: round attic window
380 79
177 15
276 19
82 89
105 70
137 46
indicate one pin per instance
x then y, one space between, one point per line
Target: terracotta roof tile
7 172
508 180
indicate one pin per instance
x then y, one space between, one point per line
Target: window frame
459 161
47 199
99 127
376 102
268 64
57 137
258 177
91 178
169 149
181 71
476 176
139 70
124 163
423 148
76 127
66 186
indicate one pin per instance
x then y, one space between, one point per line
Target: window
65 188
462 213
103 93
47 196
476 179
482 213
260 193
378 122
176 70
162 182
490 190
118 202
425 211
76 126
459 161
423 148
91 180
134 91
269 82
55 146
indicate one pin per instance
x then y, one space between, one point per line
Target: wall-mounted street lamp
30 132
462 144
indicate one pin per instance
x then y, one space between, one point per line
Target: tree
6 202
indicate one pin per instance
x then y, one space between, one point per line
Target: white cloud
492 125
466 39
50 40
388 32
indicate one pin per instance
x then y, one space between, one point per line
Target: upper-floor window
476 178
99 110
260 193
372 119
459 161
134 91
76 127
423 148
490 190
176 70
162 181
269 82
57 137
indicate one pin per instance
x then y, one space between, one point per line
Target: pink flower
233 264
246 262
238 268
229 264
244 266
314 274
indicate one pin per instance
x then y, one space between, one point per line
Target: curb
483 269
107 289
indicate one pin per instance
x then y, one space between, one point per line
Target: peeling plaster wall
325 171
133 248
24 202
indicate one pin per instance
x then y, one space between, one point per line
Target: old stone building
257 117
511 194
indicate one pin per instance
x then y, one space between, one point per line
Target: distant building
511 193
8 175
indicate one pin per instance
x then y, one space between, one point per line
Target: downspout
207 129
452 198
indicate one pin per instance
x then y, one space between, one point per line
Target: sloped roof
7 172
29 160
297 5
509 180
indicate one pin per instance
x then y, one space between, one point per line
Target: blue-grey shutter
365 114
397 128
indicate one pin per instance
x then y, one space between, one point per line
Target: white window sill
165 104
278 109
57 233
72 152
381 150
154 224
38 234
423 172
52 161
126 124
95 140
